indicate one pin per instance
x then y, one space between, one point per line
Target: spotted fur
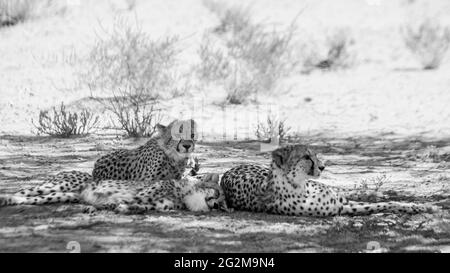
165 195
125 196
162 157
285 188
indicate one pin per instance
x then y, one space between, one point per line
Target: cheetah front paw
122 209
224 207
89 209
3 201
430 208
194 165
130 209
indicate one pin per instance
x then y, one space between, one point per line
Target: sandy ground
384 119
25 161
385 90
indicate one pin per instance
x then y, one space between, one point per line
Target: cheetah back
245 186
146 162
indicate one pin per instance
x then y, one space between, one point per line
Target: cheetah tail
358 208
11 200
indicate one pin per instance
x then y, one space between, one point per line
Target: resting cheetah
162 157
285 189
124 196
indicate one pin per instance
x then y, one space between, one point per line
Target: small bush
62 123
338 53
128 59
433 154
136 115
134 72
369 190
131 4
247 57
13 12
231 18
240 88
215 64
429 42
377 183
266 130
266 53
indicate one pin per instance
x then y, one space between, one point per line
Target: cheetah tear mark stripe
192 129
311 171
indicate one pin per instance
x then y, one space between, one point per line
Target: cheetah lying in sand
285 189
162 157
151 177
124 196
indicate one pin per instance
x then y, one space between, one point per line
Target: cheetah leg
60 197
193 167
8 200
162 205
133 208
357 208
48 188
62 182
89 209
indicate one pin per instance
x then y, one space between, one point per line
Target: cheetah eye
209 198
307 157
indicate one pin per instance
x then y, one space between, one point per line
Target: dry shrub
128 59
231 18
338 53
433 154
266 130
215 64
13 12
134 72
131 4
136 114
243 56
429 42
61 123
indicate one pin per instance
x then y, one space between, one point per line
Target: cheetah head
178 138
296 163
207 196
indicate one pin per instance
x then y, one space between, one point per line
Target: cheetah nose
187 146
321 168
216 206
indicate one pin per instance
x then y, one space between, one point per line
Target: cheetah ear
279 157
161 128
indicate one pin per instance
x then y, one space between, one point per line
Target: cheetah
124 196
285 188
162 157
